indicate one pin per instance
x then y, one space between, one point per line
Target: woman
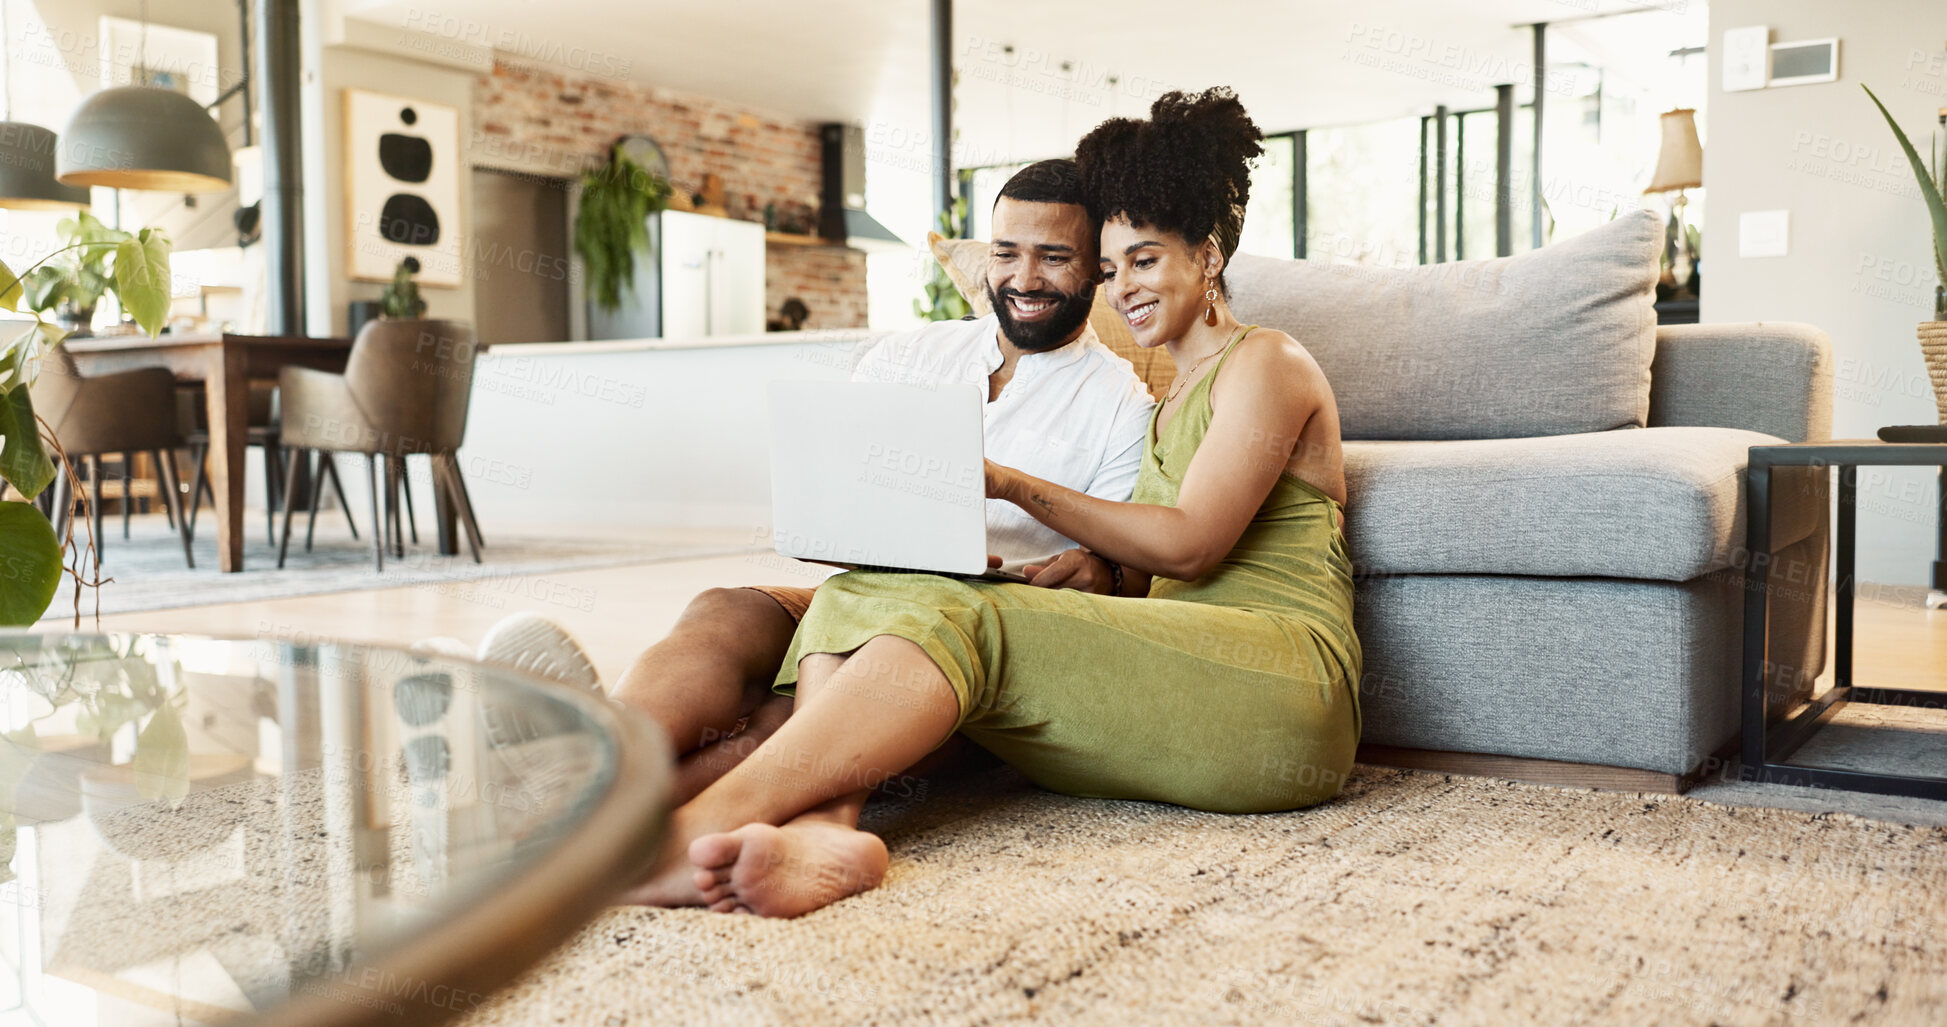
1232 687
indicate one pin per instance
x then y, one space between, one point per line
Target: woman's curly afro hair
1185 170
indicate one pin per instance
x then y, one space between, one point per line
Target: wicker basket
1933 343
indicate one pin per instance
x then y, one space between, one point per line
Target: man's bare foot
671 884
785 871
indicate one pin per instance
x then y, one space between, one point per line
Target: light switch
1764 233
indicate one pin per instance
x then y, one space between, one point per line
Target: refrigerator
704 277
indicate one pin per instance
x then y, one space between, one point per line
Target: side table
1767 750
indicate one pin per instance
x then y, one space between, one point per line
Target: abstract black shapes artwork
402 157
409 220
406 158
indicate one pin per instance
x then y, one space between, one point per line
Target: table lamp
1679 166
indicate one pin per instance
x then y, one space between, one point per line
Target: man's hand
997 480
1078 569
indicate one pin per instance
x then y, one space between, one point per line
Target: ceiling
1295 63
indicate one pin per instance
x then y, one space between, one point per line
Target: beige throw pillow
1552 342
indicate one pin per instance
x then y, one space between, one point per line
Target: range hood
842 196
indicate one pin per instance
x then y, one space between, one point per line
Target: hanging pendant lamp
27 171
27 157
142 137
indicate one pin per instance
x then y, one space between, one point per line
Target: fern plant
613 225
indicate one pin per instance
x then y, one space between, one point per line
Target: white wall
330 70
1859 264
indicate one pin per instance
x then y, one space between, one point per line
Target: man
1060 406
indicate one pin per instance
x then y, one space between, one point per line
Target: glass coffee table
198 830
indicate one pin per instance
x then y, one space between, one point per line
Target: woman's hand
1078 569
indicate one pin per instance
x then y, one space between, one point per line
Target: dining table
225 365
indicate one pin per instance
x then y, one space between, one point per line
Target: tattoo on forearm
1046 504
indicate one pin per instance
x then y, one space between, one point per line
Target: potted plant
612 225
1933 189
31 557
942 300
69 286
400 301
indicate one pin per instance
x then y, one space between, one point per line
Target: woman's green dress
1237 692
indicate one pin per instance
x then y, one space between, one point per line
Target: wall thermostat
1746 58
1802 63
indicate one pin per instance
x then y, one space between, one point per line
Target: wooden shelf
794 239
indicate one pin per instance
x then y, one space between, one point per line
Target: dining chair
404 392
112 414
261 431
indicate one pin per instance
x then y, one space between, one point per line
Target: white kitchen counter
825 337
660 432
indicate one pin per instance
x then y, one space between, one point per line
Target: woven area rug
149 572
1412 899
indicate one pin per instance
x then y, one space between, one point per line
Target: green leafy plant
941 300
31 556
613 224
81 270
79 274
400 300
1933 190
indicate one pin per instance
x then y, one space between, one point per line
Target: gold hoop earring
1210 312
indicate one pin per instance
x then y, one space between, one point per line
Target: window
983 187
1476 134
1363 183
1611 80
1268 227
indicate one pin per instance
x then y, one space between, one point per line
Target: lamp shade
27 171
142 137
1680 162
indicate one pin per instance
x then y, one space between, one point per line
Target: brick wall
539 120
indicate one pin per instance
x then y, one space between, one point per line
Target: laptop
881 476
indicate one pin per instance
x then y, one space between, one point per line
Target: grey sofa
1547 505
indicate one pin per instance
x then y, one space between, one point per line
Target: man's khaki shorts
794 599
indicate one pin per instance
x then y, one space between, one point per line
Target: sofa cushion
1551 342
1662 504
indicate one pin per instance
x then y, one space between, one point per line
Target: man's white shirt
1076 416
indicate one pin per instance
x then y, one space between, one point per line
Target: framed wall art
402 188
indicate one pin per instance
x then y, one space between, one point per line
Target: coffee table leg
1757 572
1848 529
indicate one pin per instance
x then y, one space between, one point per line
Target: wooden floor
1898 643
617 612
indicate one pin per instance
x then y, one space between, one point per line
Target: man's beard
1050 332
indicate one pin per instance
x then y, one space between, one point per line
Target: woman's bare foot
785 871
